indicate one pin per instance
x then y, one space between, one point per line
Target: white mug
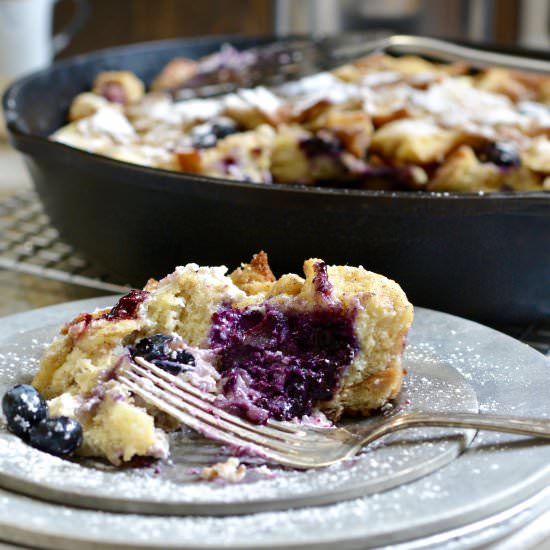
26 40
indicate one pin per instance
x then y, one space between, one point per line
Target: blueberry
152 347
155 350
58 435
175 366
207 134
23 407
223 127
503 154
321 145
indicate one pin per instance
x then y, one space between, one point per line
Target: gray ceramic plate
495 473
175 487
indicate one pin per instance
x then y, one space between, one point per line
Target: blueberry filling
127 306
23 408
504 155
277 363
160 350
320 281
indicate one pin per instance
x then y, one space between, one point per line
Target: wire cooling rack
28 244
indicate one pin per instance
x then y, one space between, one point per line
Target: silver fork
290 444
273 63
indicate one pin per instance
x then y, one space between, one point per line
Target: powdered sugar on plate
176 486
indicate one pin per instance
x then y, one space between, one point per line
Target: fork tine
247 432
301 460
202 400
151 367
274 63
210 414
273 427
186 386
210 431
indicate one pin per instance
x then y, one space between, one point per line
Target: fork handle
448 51
520 425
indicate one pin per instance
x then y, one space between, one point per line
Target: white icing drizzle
257 98
409 126
110 122
535 111
380 78
455 101
309 84
198 109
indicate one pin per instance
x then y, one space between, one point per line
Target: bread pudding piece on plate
287 348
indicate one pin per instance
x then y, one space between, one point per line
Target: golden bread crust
255 277
383 318
131 87
175 74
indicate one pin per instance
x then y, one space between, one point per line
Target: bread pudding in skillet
293 349
382 122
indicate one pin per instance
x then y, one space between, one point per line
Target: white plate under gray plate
494 473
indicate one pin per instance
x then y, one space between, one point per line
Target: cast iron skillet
483 257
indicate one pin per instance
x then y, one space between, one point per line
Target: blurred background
111 23
34 32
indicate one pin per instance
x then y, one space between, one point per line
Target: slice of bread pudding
283 348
